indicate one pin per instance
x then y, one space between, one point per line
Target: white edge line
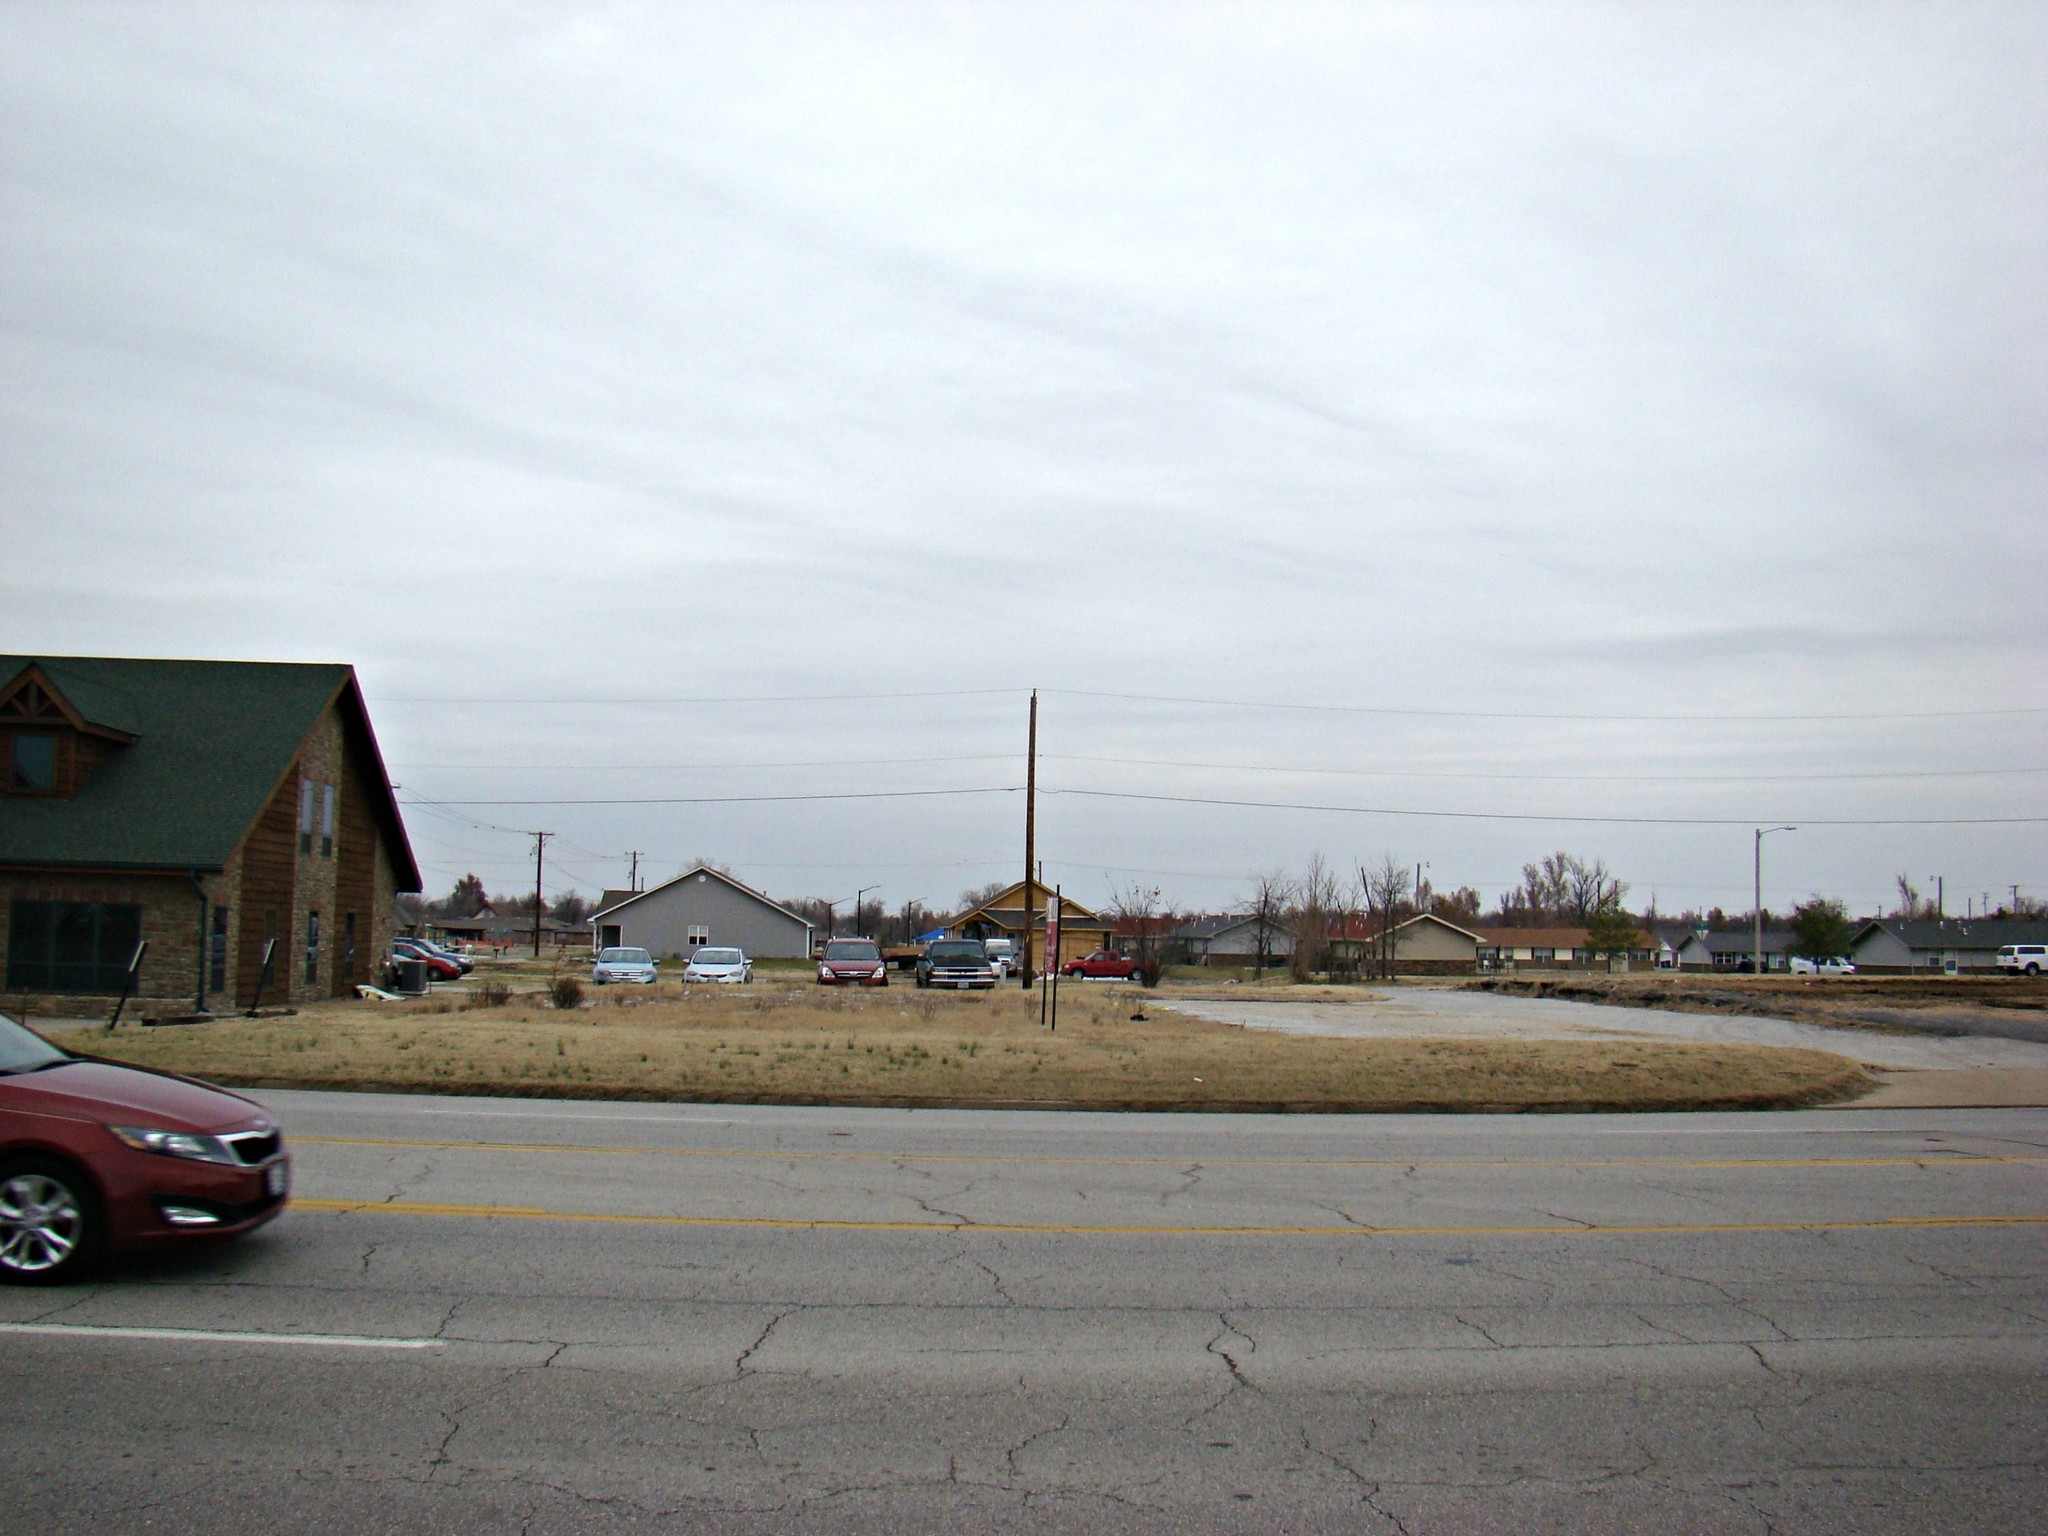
209 1336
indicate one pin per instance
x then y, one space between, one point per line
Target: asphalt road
551 1317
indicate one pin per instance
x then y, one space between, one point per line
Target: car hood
104 1090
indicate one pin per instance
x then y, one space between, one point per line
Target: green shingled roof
213 739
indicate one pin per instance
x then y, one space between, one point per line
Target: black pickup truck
957 963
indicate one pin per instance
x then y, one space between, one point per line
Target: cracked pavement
904 1321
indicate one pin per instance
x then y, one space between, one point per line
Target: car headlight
188 1144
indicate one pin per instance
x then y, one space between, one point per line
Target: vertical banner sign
1052 934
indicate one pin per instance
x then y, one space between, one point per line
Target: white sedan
634 965
727 965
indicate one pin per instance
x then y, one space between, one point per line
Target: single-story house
699 907
1732 949
1890 945
1082 932
234 815
1556 949
1232 938
1424 945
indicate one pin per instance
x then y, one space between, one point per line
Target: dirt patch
2012 1007
792 1045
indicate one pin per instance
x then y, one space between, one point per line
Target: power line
865 794
1550 778
585 701
1639 821
1486 714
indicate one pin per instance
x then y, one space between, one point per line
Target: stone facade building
235 815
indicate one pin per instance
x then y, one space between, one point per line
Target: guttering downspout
199 986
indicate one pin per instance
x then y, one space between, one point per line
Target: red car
1103 965
855 961
99 1158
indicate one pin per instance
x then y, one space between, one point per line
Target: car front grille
253 1147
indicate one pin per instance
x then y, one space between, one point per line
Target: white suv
2023 959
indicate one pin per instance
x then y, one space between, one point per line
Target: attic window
35 764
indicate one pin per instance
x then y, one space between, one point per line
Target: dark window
70 946
35 764
1542 956
312 947
326 821
217 952
305 815
348 948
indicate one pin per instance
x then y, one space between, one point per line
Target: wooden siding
355 880
269 870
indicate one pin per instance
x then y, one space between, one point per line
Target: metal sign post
128 980
1052 953
264 974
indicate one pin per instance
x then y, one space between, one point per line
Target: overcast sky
1437 370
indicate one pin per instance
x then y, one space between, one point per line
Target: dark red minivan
99 1158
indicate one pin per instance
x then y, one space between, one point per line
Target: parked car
1002 954
1103 965
440 967
99 1158
957 963
858 961
719 964
2023 959
623 965
461 960
1836 966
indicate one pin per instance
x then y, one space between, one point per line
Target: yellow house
1082 932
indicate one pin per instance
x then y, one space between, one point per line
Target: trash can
409 976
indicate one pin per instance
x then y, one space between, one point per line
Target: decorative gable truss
47 746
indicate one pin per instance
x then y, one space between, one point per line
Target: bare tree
1318 904
1385 887
981 893
1272 893
1135 909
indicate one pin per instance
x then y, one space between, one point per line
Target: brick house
217 809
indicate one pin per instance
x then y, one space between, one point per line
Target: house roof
1553 938
211 742
1006 909
702 869
1959 932
1210 927
1734 941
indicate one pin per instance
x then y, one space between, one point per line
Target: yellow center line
1958 1160
1063 1229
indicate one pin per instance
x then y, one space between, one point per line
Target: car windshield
23 1050
717 957
958 949
852 949
623 957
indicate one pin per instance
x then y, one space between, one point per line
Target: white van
1002 954
2023 959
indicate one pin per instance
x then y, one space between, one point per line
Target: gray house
1232 939
1891 944
1734 950
702 906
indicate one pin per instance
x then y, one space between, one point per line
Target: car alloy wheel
49 1222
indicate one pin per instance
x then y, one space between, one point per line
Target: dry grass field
775 1042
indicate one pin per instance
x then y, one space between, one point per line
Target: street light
856 906
1756 911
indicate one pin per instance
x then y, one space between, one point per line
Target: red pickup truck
1103 965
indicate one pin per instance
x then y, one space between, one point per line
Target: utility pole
1756 912
857 895
633 879
1941 896
540 843
1024 977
